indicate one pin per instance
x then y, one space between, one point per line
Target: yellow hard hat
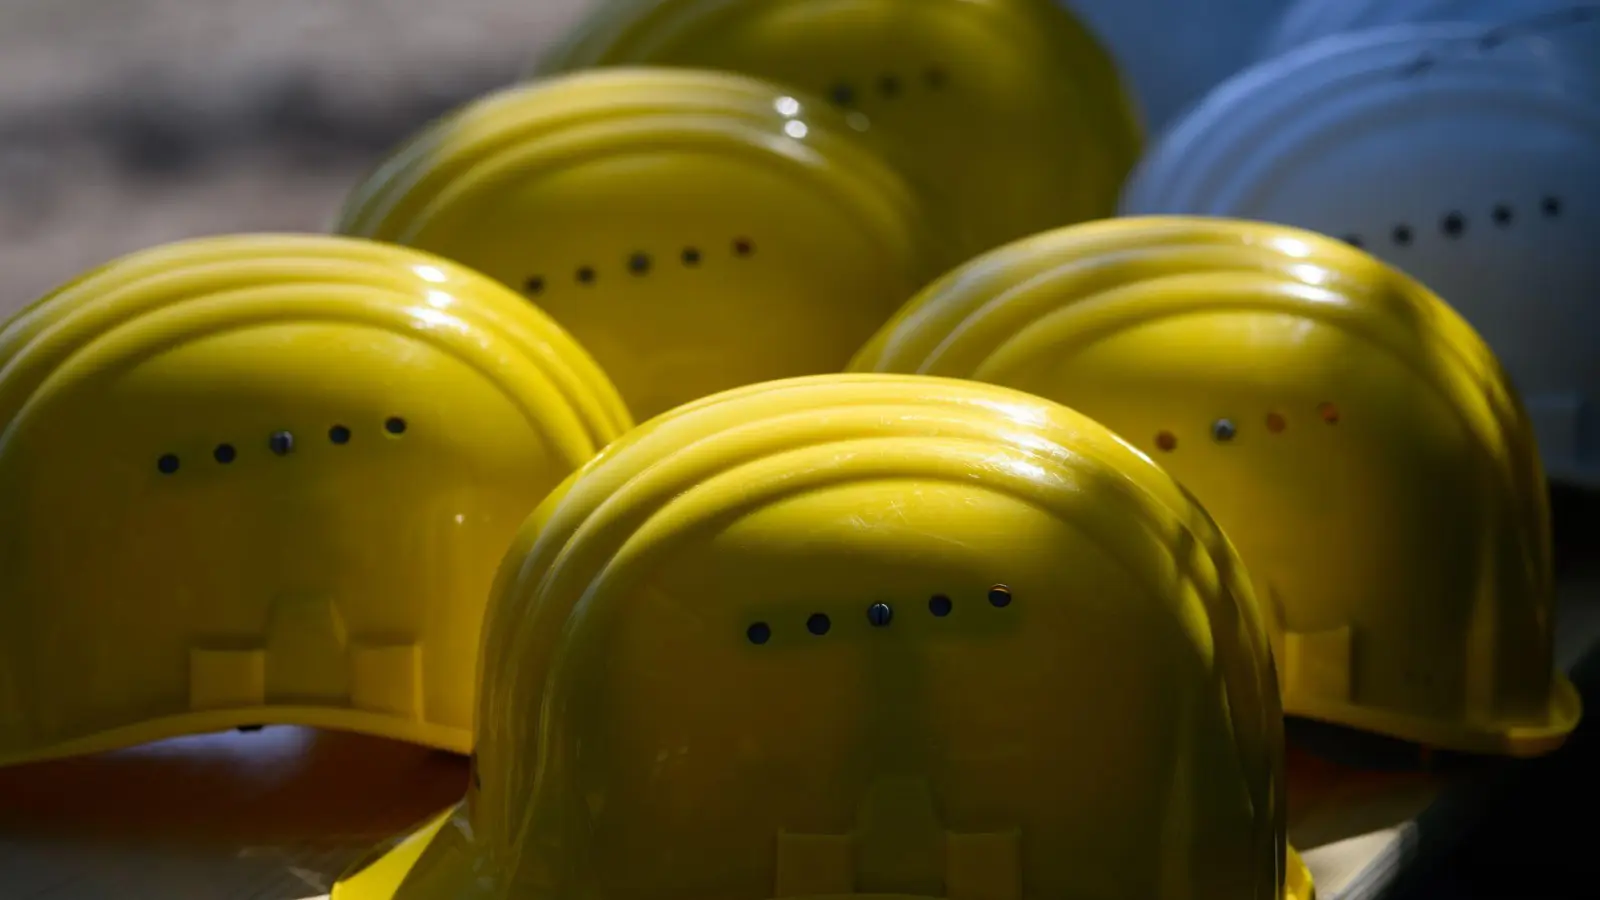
1012 114
695 231
865 634
263 479
1350 432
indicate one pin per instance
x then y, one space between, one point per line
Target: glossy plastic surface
694 231
1353 436
869 635
267 479
1463 154
1013 118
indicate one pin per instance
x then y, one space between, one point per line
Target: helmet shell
796 636
1350 432
694 231
266 479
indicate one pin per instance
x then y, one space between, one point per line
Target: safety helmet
820 637
1305 21
1173 51
1011 113
1461 154
264 479
1352 435
695 231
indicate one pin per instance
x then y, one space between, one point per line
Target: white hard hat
1466 155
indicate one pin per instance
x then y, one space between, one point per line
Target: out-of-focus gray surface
128 123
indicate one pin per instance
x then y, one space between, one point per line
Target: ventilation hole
880 614
935 78
1453 224
1329 413
690 256
394 425
1000 596
167 464
586 275
1501 215
1550 206
1276 423
939 605
1167 441
1223 430
224 453
534 285
1353 240
250 729
281 443
639 263
818 624
889 86
843 94
1402 235
758 633
743 247
339 434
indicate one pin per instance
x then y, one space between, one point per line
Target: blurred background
128 123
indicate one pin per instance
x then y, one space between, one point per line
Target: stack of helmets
1307 21
267 479
1463 154
695 231
1007 114
1352 435
866 635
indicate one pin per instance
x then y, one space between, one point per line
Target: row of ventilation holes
1454 224
1224 430
879 615
639 264
281 443
844 93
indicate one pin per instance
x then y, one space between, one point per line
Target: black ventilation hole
250 729
843 94
690 256
586 275
1501 215
1453 224
1000 596
281 443
339 434
167 464
759 633
1550 206
1402 235
534 285
1353 240
935 78
639 263
1223 430
743 247
818 624
224 453
940 605
889 86
880 614
394 425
